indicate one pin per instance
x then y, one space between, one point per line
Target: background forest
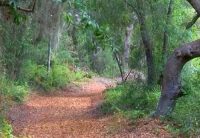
47 44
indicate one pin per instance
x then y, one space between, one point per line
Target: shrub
61 75
10 92
135 100
58 77
5 129
80 74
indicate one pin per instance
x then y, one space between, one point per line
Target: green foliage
186 114
37 75
12 90
111 68
5 129
81 74
94 31
60 75
134 100
136 62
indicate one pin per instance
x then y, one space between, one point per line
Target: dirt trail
74 113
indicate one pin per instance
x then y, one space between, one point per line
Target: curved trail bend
74 113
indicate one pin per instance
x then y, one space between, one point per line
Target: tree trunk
127 45
49 56
147 42
74 38
171 84
47 20
119 65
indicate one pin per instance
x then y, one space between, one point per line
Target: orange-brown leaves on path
74 113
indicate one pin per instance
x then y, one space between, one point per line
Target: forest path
74 113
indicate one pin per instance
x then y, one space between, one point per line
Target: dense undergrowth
5 129
31 74
131 99
58 77
91 43
137 101
36 77
10 93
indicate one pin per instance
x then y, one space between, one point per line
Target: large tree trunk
127 45
171 84
147 42
48 22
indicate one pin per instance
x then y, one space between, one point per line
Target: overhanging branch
196 5
171 84
190 24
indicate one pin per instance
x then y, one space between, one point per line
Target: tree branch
196 5
190 24
127 75
171 84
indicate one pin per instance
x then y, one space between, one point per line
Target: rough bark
171 84
48 22
196 5
127 45
147 42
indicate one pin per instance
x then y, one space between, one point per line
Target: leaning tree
171 83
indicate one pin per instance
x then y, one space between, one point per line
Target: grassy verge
133 100
5 129
10 93
137 101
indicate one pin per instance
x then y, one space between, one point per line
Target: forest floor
75 113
